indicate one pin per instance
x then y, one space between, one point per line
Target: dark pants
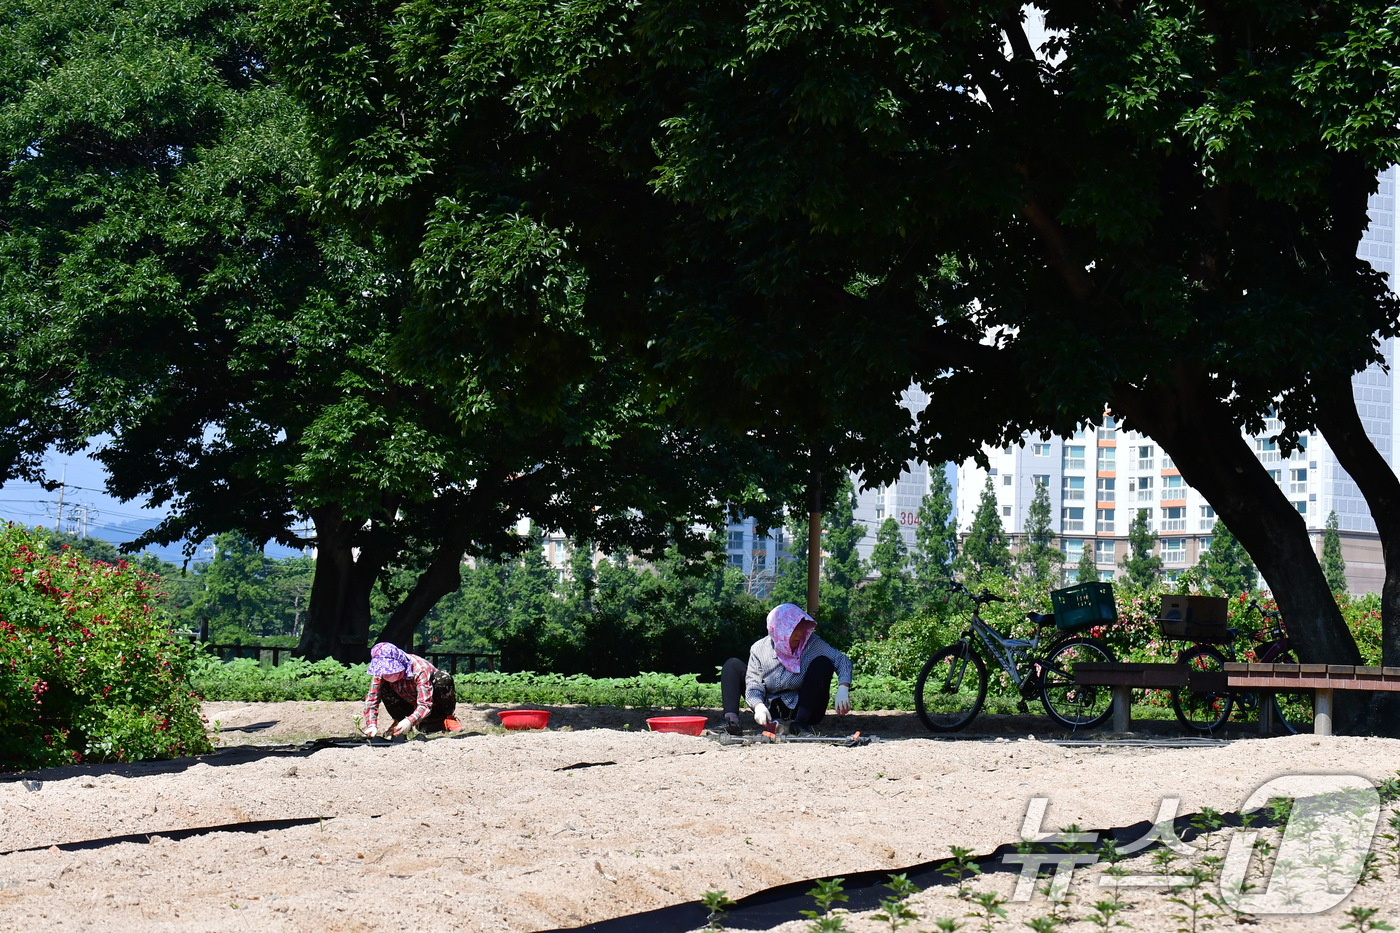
812 696
444 703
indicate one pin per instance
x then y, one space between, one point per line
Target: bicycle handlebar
986 596
1268 615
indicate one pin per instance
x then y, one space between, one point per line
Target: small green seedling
1105 913
1044 924
1206 823
1393 837
826 894
1363 920
831 923
718 902
1280 809
1370 869
895 909
1191 895
992 912
1390 788
962 869
948 924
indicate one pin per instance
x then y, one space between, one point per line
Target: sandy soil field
506 832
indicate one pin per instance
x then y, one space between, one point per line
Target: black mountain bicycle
952 687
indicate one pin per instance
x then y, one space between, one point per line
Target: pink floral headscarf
781 623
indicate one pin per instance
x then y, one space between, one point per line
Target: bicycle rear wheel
951 688
1068 703
1293 712
1202 711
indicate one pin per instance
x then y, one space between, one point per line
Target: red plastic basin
686 725
524 718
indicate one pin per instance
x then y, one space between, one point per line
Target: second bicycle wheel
1068 703
1197 710
950 689
1293 712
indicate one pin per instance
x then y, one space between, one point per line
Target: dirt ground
281 723
503 832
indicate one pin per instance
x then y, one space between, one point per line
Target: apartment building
900 500
1100 478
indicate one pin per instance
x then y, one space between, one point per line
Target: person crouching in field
788 677
418 695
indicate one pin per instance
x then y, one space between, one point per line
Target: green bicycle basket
1084 606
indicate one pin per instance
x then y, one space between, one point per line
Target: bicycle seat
1041 618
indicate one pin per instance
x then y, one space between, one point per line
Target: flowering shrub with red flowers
88 668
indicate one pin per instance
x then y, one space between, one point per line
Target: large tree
240 344
1159 210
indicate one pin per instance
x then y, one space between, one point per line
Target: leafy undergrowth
88 668
244 680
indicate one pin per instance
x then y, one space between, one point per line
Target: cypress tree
1334 568
842 568
886 598
1143 567
1227 565
935 538
1087 571
1039 556
985 548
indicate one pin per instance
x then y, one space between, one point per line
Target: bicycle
1206 711
952 686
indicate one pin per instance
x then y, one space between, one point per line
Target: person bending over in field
788 678
418 695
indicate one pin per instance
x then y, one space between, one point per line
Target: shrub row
244 680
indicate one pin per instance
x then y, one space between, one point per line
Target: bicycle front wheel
1068 703
1202 711
951 688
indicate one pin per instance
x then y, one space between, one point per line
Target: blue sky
107 518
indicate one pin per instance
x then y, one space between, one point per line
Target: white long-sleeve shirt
767 678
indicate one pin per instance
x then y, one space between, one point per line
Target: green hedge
244 680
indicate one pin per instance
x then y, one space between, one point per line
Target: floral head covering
782 621
388 659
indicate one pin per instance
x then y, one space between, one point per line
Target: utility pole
62 484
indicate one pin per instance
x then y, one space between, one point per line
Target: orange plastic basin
686 725
524 718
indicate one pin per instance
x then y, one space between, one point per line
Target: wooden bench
1124 677
1318 679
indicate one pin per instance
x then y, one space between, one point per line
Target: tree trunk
1341 425
443 576
1194 428
338 613
814 544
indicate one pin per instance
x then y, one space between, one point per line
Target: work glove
760 714
371 730
400 727
843 700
